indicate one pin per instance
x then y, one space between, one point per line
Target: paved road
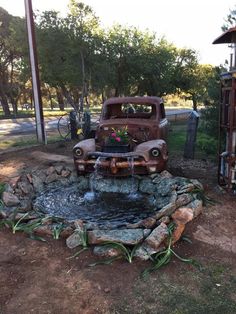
28 125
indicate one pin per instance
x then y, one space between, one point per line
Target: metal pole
35 73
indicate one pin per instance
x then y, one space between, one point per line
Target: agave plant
83 234
125 252
164 257
19 225
56 231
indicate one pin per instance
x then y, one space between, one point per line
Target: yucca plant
83 234
201 195
56 231
125 252
164 257
19 225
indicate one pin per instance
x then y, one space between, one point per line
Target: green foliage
207 144
2 189
230 20
20 225
162 258
56 231
125 252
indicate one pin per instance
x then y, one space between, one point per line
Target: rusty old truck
130 139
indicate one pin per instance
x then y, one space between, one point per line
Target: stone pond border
176 200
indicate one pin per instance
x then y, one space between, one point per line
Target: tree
12 47
230 20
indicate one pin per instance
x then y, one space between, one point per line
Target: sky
185 23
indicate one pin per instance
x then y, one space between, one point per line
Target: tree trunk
194 102
60 100
4 102
50 98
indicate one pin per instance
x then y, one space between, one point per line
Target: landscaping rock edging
175 200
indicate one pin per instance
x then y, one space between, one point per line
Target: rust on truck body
142 150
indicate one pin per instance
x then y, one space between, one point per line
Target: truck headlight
155 152
78 152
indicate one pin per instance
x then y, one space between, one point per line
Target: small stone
165 211
44 230
14 181
166 174
153 243
78 223
38 183
25 187
83 183
10 199
106 251
59 169
50 170
25 205
157 236
51 178
65 173
125 236
66 232
107 290
183 200
196 206
177 233
165 220
148 222
74 240
29 177
183 215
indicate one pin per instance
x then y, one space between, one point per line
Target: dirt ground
37 277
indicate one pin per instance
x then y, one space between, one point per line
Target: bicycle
72 125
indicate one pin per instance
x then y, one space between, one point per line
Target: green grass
206 147
26 141
184 291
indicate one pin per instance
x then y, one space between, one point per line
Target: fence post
191 135
73 125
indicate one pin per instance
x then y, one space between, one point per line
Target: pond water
103 210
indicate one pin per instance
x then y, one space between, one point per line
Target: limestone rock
44 230
166 210
106 251
59 169
10 199
50 170
183 199
66 232
25 187
14 181
196 206
74 240
125 236
153 243
183 215
38 182
157 236
83 183
166 174
146 186
165 219
65 173
114 185
148 222
51 178
25 205
179 229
